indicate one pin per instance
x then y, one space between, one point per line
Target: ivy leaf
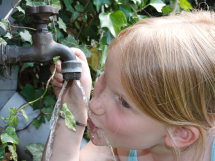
113 21
24 115
68 4
61 24
69 118
20 9
79 8
26 36
4 24
36 151
2 41
136 1
157 4
8 35
185 5
166 10
56 3
70 41
9 136
55 59
99 3
37 3
12 149
13 119
2 152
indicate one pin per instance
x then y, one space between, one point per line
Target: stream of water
53 123
55 116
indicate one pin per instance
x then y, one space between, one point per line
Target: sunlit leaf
33 3
20 9
55 59
157 4
99 3
2 41
8 35
113 21
36 150
69 118
13 119
26 36
9 136
12 149
56 3
4 24
24 115
185 5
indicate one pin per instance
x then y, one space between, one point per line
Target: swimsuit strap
132 155
213 151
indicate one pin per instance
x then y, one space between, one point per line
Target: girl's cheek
99 85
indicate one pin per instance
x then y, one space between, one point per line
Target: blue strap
213 151
132 155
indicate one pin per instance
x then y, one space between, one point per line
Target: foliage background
86 24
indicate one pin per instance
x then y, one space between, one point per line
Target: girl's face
113 117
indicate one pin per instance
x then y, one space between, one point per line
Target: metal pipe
44 48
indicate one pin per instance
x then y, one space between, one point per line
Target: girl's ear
182 136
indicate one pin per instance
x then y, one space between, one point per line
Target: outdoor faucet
44 48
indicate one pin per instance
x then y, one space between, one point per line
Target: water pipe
44 48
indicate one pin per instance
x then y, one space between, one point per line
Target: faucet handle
41 14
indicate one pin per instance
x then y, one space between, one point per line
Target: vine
86 24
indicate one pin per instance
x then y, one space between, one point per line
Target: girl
156 95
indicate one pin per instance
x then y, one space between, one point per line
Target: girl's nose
96 106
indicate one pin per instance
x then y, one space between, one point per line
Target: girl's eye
124 103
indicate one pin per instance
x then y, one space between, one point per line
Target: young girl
156 95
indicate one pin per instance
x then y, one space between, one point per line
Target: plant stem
44 93
22 27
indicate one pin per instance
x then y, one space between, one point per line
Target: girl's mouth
91 125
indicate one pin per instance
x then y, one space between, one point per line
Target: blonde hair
168 68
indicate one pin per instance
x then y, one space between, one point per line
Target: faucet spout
43 49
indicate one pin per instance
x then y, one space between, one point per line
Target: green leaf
79 8
36 150
24 115
20 9
70 41
2 41
35 3
4 24
13 119
28 92
61 24
86 50
2 152
8 35
26 36
99 3
185 5
69 118
68 4
113 21
166 10
56 3
136 1
55 59
9 136
157 4
12 149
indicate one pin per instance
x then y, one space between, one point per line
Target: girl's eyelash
124 103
